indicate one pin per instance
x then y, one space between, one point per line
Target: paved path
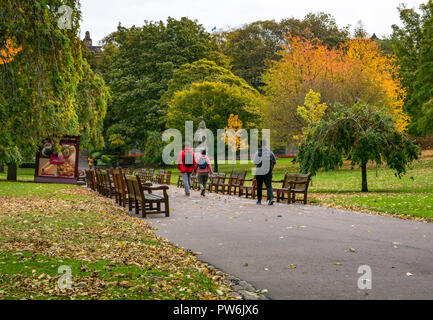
258 243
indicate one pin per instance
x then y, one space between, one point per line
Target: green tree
48 89
361 133
412 44
199 71
138 66
215 101
421 101
360 31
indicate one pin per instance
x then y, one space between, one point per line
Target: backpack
188 161
271 159
202 164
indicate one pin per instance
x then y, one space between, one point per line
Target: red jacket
181 161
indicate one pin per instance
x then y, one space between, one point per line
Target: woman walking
203 168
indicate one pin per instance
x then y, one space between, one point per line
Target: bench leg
143 208
137 209
123 200
167 208
305 198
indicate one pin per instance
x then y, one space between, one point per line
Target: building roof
89 44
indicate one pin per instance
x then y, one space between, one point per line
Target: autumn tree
356 71
233 137
253 44
312 111
361 133
47 89
7 54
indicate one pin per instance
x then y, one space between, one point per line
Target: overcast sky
101 17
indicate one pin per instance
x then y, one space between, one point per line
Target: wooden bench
194 182
299 184
141 197
293 184
251 190
166 178
283 191
248 190
180 181
215 181
108 184
157 178
91 179
235 181
100 186
149 175
121 192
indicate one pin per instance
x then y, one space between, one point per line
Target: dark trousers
202 179
267 179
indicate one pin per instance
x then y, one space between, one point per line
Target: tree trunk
216 159
12 172
2 168
364 178
216 165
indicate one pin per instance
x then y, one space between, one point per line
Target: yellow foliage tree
312 111
7 54
356 71
232 137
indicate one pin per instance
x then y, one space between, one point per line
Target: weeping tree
47 88
362 133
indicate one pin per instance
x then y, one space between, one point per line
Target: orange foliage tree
356 71
7 54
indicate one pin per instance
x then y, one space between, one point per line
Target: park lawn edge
48 230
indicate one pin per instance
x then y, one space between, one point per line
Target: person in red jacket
186 163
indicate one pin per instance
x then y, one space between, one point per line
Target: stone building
89 44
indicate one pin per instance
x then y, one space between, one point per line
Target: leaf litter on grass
89 229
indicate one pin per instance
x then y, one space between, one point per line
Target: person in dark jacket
265 160
186 163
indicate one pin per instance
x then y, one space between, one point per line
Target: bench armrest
146 184
294 183
149 188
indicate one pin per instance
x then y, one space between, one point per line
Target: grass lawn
412 195
111 255
23 174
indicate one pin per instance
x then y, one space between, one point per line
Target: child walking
203 168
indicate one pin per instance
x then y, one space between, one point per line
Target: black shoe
259 203
271 202
203 192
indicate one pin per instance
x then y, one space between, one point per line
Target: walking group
189 164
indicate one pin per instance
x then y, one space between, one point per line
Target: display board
58 166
